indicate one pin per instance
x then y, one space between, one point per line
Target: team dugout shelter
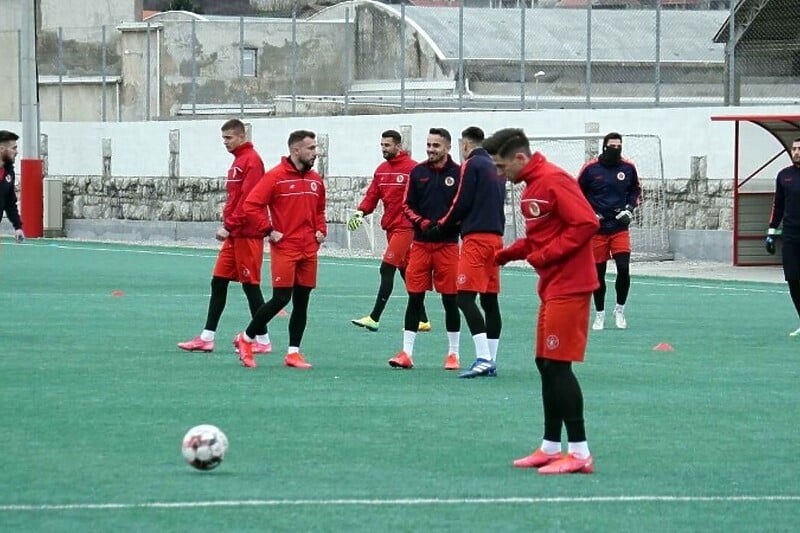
752 198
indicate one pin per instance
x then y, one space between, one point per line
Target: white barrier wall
141 148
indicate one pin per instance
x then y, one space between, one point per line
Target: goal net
649 233
649 229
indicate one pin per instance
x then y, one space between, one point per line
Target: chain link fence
356 58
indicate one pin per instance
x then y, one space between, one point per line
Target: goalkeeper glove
355 221
625 215
769 242
501 257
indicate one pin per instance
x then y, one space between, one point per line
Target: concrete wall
74 13
141 149
319 66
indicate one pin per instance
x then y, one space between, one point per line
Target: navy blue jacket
786 205
8 196
429 195
609 190
480 199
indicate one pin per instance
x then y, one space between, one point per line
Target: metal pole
19 71
658 53
460 56
194 67
293 66
732 96
588 54
103 76
31 167
29 96
522 60
241 66
402 57
60 74
147 77
346 62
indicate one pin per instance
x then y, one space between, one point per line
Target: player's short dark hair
392 134
441 132
6 136
473 134
299 135
611 135
507 142
233 124
797 140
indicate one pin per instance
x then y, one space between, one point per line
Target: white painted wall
141 148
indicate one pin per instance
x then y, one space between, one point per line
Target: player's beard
796 160
6 159
389 155
307 164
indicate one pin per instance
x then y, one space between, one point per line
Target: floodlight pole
31 180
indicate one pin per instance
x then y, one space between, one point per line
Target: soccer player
786 208
611 185
433 261
478 211
242 253
8 196
288 207
559 225
389 186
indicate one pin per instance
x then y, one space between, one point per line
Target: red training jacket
559 225
246 170
389 186
291 202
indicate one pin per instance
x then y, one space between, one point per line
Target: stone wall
692 203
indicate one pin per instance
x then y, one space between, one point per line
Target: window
249 62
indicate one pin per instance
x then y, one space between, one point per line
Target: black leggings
416 301
219 297
385 291
622 285
491 324
299 296
562 400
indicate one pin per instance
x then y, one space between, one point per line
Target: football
204 447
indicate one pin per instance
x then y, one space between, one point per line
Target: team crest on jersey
449 181
621 176
8 178
246 272
400 178
534 209
314 186
552 342
389 254
462 279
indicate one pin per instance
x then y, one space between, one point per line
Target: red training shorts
476 269
396 253
240 259
563 327
607 245
293 267
432 265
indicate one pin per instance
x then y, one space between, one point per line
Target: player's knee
282 296
387 270
466 299
218 283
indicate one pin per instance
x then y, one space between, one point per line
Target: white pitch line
400 502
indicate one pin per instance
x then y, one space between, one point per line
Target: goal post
650 228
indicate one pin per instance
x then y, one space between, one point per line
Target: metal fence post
322 154
293 66
19 72
402 57
106 151
346 62
60 74
103 75
147 77
194 67
405 136
522 57
588 54
174 153
460 56
658 54
241 66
